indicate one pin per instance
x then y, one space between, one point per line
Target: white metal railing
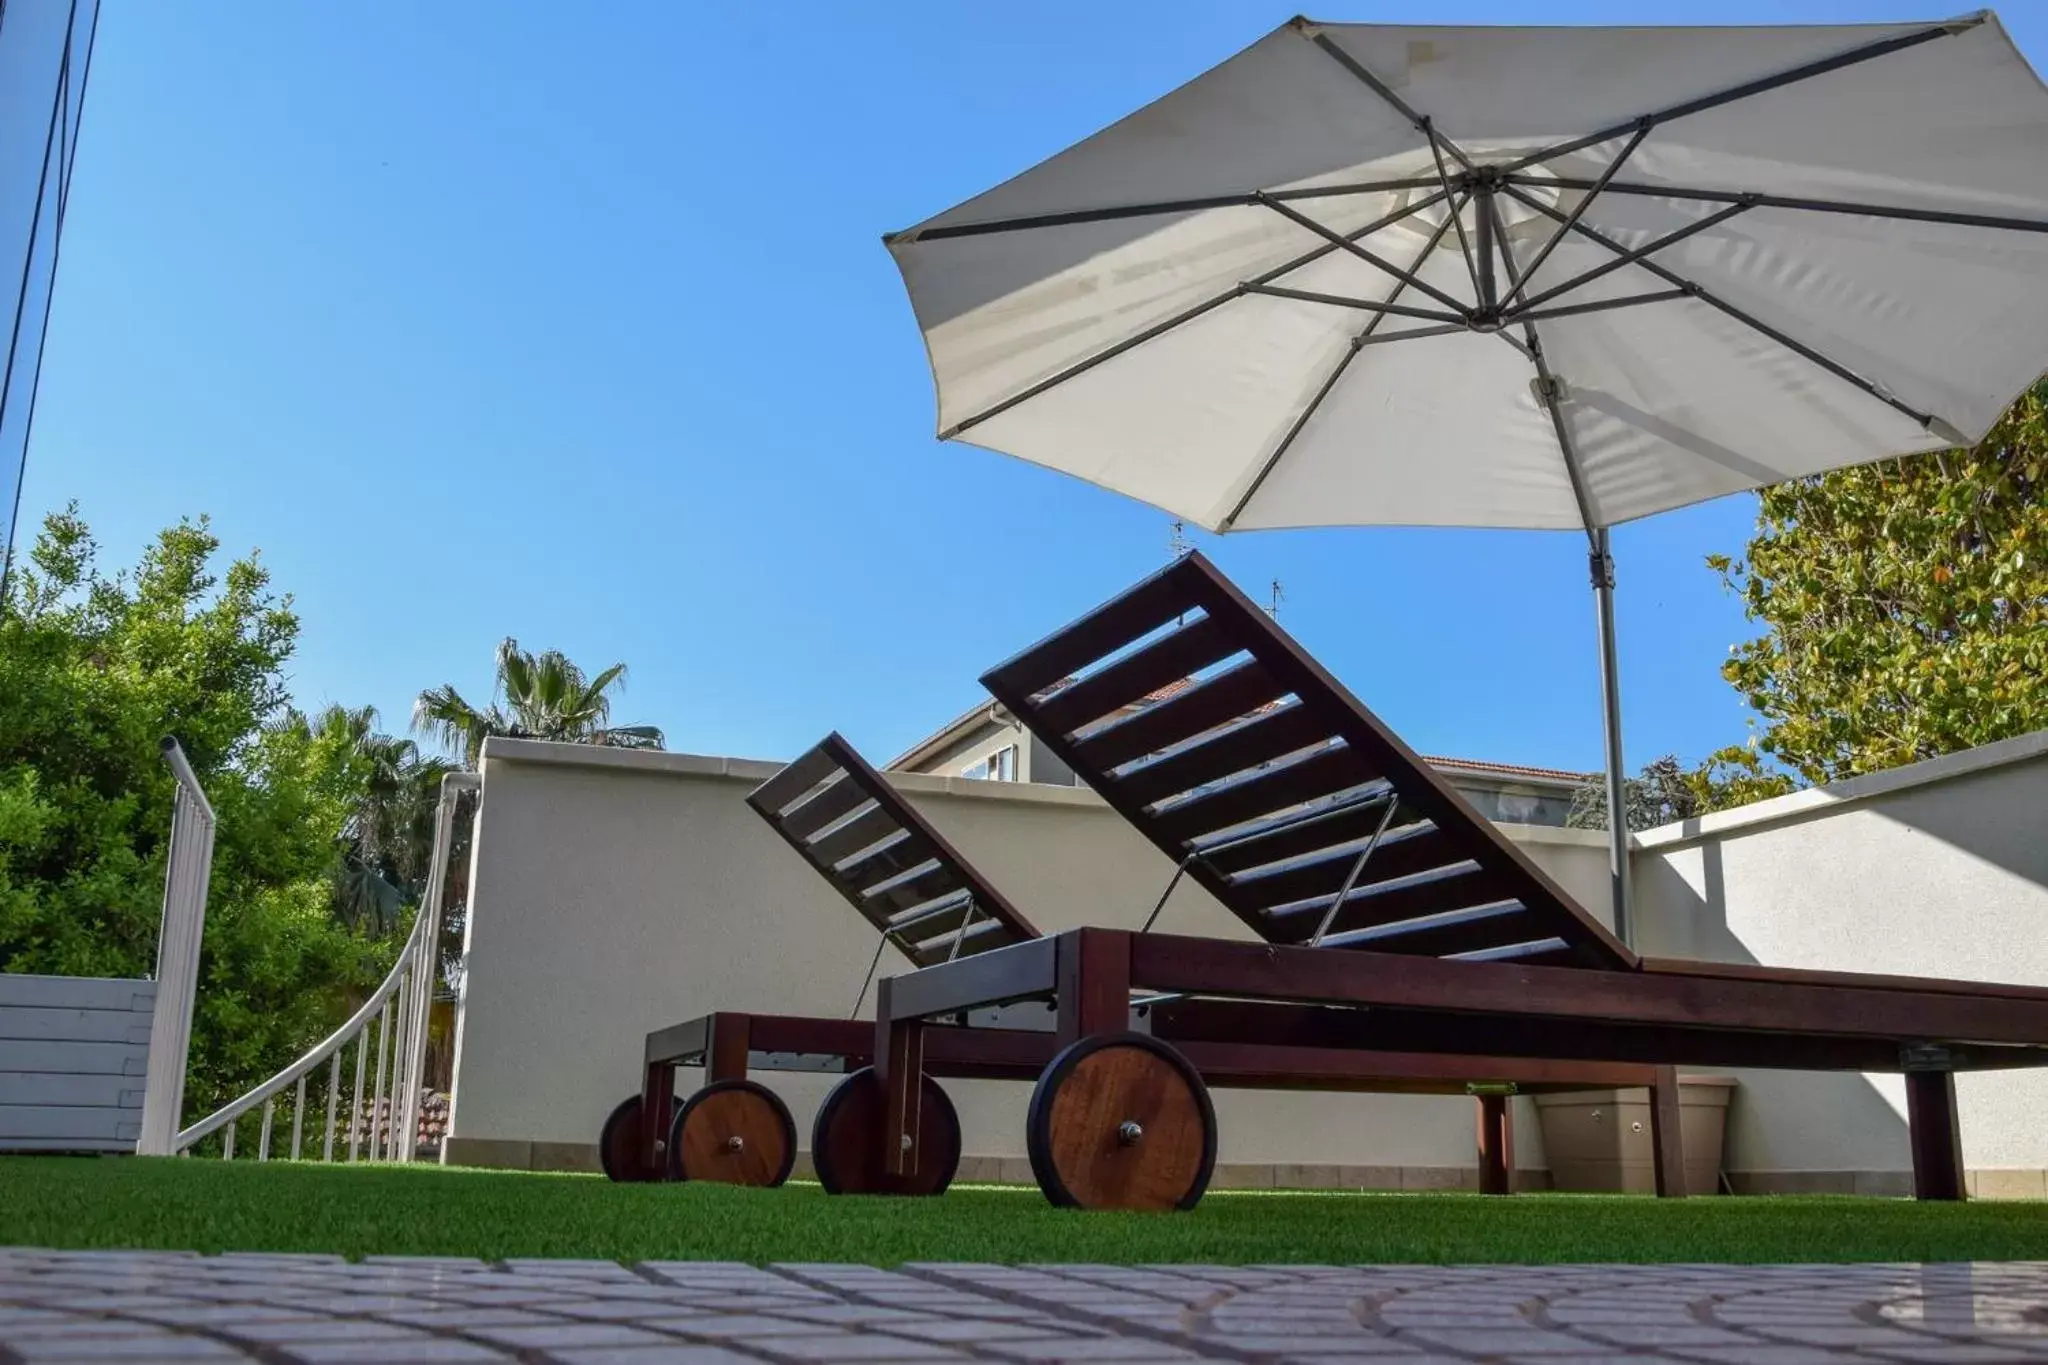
189 869
389 1035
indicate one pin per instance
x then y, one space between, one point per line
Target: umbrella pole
1610 690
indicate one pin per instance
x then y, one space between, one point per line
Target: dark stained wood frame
722 1043
1310 1008
1036 686
833 757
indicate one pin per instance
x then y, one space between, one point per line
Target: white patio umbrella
1517 277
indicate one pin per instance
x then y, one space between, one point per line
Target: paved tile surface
319 1310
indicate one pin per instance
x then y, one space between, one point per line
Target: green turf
206 1205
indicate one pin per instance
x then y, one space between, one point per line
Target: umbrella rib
1578 211
1073 217
1781 201
1568 310
1366 305
1380 88
1762 85
1364 338
1159 329
1635 254
1348 243
1443 175
1799 348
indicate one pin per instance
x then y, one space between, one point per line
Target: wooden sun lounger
921 895
1394 918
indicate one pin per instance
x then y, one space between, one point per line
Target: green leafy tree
1663 792
545 696
94 669
1905 607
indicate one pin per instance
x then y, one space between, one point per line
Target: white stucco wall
1936 869
618 892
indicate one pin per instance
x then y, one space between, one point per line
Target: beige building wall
617 892
1935 869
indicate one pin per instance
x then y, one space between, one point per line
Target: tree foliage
1905 606
1661 793
94 670
546 696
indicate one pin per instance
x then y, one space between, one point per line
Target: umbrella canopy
1549 278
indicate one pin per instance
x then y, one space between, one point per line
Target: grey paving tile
654 1355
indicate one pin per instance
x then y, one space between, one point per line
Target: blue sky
572 323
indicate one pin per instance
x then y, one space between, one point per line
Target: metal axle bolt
735 1143
903 1143
1128 1132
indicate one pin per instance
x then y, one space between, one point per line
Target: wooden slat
1750 971
1233 693
1400 853
937 881
1293 839
850 838
90 1091
982 936
76 992
840 799
1375 906
896 859
1259 741
28 1024
99 1059
1321 774
1440 937
798 776
59 1123
1138 611
1902 1014
1169 659
921 925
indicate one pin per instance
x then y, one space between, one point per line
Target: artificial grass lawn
211 1206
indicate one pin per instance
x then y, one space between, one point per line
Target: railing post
355 1112
189 869
298 1117
333 1099
427 967
377 1085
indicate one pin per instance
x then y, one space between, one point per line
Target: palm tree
546 696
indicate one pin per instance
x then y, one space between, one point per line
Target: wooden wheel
1121 1121
733 1133
846 1140
618 1145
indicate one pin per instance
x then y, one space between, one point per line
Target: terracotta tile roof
1506 769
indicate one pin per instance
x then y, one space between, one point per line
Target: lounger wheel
732 1133
846 1140
618 1145
1121 1121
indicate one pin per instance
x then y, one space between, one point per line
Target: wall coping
753 771
1804 805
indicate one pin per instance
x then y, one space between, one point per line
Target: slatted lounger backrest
884 857
74 1056
1207 727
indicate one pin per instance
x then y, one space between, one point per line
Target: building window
1000 766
